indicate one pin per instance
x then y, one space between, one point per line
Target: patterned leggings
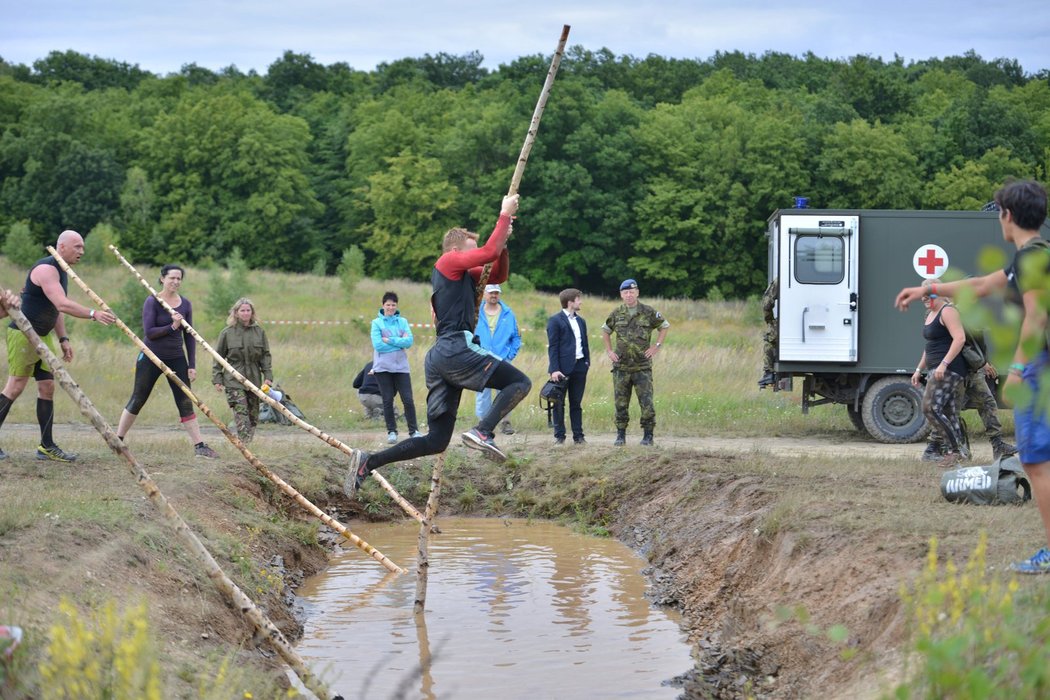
940 406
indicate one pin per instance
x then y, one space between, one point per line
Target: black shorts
456 362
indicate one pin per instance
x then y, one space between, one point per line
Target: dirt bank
734 530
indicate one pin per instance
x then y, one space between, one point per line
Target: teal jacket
391 336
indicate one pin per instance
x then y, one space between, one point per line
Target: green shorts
21 355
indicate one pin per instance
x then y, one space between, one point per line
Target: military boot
647 438
1001 448
934 452
621 438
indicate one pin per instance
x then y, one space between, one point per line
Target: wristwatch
659 344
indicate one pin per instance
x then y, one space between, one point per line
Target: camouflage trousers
642 383
941 406
769 348
245 406
975 392
373 405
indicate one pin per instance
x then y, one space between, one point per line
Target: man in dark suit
569 358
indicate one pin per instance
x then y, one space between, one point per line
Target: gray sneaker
477 440
55 454
357 473
202 450
3 455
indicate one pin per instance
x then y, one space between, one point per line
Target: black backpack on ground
268 415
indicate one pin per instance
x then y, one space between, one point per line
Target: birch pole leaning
530 138
430 512
275 405
290 491
234 595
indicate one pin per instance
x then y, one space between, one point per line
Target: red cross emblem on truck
930 261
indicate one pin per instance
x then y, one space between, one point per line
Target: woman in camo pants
943 331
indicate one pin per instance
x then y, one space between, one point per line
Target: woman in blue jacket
391 336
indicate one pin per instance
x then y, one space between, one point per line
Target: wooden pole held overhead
537 113
530 138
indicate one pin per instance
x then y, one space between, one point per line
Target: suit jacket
561 344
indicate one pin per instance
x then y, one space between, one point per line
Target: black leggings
147 374
391 383
512 385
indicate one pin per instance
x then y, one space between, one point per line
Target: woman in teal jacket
391 336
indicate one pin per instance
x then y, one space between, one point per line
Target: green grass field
705 376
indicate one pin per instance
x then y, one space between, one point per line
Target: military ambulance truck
838 272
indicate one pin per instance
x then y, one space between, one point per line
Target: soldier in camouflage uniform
633 324
769 338
977 392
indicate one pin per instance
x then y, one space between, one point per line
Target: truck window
819 259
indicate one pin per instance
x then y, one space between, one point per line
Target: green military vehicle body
838 272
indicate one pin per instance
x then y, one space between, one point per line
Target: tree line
661 169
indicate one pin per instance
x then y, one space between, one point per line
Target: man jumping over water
456 361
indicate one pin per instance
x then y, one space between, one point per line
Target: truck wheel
856 418
892 411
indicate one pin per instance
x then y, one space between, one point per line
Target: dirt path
821 445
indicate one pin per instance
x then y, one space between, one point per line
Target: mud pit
733 531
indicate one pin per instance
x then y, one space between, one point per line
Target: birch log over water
425 528
530 138
291 492
234 595
275 405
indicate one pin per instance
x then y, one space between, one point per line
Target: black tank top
453 302
938 341
42 314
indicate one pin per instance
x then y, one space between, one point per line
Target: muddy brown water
514 609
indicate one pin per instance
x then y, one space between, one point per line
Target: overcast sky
163 36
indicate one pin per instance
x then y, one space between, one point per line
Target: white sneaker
391 437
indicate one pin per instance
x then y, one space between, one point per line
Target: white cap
492 288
